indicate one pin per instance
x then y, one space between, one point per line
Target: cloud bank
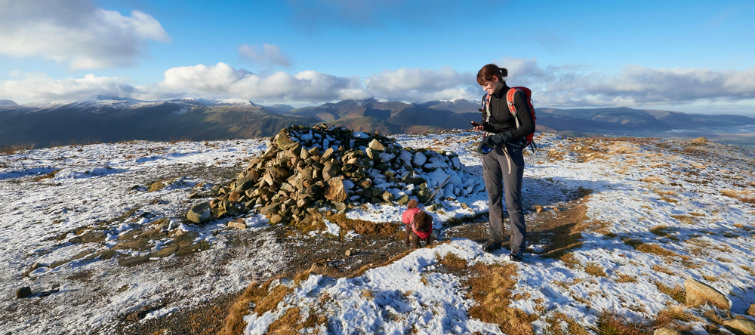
267 54
563 86
75 32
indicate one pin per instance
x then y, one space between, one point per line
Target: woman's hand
477 126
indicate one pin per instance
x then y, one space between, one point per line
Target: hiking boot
491 246
517 256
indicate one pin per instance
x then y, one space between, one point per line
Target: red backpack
510 102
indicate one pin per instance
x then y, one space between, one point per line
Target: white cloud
75 32
563 86
422 84
222 80
268 55
634 86
40 87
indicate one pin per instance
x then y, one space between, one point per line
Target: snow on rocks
308 168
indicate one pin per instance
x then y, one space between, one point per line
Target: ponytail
489 71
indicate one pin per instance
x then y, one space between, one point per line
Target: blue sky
690 56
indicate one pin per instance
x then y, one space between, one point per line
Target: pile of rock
308 168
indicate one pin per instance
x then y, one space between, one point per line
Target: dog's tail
412 203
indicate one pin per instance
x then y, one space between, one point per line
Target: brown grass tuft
595 269
556 323
491 288
257 294
286 324
743 196
662 230
610 324
626 279
678 293
453 263
662 269
671 317
570 261
650 248
47 176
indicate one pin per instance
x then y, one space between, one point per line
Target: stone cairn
309 168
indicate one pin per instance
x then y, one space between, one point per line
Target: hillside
109 119
617 228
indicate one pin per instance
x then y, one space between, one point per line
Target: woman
502 161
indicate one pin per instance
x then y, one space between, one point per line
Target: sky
689 56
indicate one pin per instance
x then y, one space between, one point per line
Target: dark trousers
503 180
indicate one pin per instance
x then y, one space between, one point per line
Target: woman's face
492 86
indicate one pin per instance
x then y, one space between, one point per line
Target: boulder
199 213
751 310
238 224
699 293
243 184
666 331
335 190
740 325
376 145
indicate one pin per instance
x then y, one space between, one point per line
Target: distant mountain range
112 119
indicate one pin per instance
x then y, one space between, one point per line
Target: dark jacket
501 120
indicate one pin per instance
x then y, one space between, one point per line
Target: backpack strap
510 102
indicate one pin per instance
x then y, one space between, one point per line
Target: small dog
418 225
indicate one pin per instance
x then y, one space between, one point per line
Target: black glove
500 138
489 142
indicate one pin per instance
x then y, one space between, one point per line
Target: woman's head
490 77
491 72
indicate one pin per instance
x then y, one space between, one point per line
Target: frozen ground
63 208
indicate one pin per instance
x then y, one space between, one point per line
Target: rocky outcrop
666 331
699 293
740 325
309 168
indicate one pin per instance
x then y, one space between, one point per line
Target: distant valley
109 119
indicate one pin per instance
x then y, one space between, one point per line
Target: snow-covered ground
692 200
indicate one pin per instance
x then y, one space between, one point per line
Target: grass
570 261
662 269
662 230
491 288
743 196
678 293
595 269
560 324
674 317
686 219
650 248
452 262
255 294
626 279
611 324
